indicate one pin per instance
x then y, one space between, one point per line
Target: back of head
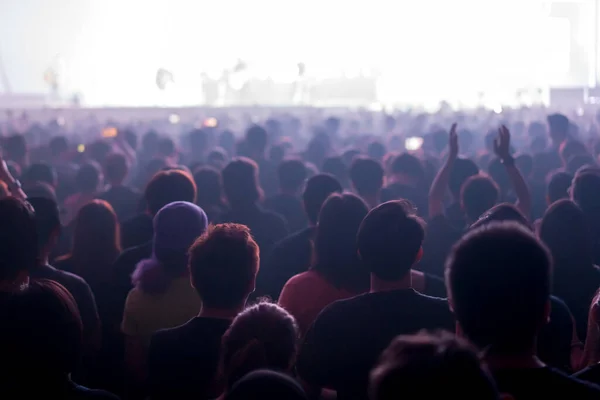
565 231
478 194
501 213
462 170
115 168
41 333
209 181
166 147
88 177
15 148
336 167
240 181
291 174
18 238
263 336
389 240
223 266
424 365
376 150
256 138
96 235
47 219
167 187
499 280
58 145
318 188
559 127
39 172
366 175
408 165
558 186
266 385
585 191
335 242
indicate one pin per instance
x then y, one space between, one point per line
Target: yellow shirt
146 313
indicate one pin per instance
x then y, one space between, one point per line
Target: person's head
265 384
39 172
256 140
376 151
558 186
571 148
47 221
367 176
217 158
96 238
317 190
566 232
263 336
292 175
176 226
240 181
18 239
166 148
423 365
88 178
41 336
559 128
499 279
500 213
408 169
58 146
15 149
478 194
210 183
98 151
462 170
585 191
336 167
115 169
223 265
389 240
336 256
167 187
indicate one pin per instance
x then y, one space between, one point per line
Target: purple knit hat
176 226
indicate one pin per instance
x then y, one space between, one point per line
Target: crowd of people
303 259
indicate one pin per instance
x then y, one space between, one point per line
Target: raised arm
502 150
14 186
440 183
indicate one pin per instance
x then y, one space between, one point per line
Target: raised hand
502 143
453 142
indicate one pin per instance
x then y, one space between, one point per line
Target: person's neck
524 360
220 313
379 285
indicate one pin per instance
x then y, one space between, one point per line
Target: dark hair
566 232
240 181
223 265
98 150
265 384
291 174
39 172
500 213
167 187
336 167
166 147
409 165
262 336
318 188
18 238
47 219
424 365
115 168
366 175
96 242
462 170
389 240
88 177
376 150
559 126
256 138
41 331
499 280
558 186
208 179
478 194
336 256
58 145
15 147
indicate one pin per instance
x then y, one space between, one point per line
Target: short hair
291 174
318 188
209 180
409 165
585 191
559 183
499 280
478 194
502 212
223 265
58 145
366 175
18 238
558 123
39 172
336 256
462 170
335 166
240 181
167 187
262 336
47 219
389 240
257 138
423 365
88 177
376 150
115 167
166 147
44 306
